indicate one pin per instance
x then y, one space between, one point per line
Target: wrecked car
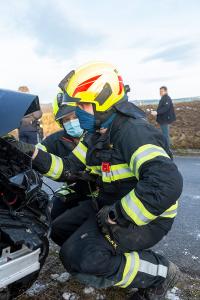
24 205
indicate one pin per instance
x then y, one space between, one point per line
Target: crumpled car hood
13 107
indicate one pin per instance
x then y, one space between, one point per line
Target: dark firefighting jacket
58 143
133 165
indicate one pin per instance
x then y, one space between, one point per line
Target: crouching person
139 187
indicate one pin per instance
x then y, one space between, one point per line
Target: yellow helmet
57 102
97 83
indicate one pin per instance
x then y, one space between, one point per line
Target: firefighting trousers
86 251
60 204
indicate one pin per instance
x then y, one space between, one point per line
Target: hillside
185 132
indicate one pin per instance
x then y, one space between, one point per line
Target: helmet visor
63 111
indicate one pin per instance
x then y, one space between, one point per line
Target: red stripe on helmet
84 86
121 85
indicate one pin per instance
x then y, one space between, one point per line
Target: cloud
41 40
175 53
49 26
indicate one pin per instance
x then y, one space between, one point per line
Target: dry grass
49 124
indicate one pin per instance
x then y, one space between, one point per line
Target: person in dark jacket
62 143
139 187
29 125
165 113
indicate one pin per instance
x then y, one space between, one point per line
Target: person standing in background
165 113
29 130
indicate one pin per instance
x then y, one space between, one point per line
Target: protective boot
159 292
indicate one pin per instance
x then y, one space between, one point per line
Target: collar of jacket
67 138
131 110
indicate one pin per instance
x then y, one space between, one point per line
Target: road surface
182 244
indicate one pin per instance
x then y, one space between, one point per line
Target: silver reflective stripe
41 147
151 269
169 213
81 151
121 171
131 269
135 209
56 167
107 174
145 153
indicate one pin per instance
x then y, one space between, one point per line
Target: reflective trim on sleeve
130 270
171 212
41 147
80 152
136 211
153 270
56 168
143 154
117 172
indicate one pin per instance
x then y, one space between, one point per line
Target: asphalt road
182 244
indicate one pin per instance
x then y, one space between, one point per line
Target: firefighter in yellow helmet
139 185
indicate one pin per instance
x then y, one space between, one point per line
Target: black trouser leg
134 238
68 222
59 207
63 203
88 252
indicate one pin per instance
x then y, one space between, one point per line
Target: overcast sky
151 42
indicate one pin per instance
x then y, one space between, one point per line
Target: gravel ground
54 283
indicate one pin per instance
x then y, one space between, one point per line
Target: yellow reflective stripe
130 270
106 177
143 154
80 152
136 210
173 207
117 172
41 147
56 168
119 167
171 212
94 170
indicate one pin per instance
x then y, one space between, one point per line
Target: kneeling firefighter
61 143
139 186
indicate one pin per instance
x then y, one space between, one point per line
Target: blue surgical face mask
73 128
87 121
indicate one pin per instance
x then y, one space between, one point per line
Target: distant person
29 130
165 113
127 88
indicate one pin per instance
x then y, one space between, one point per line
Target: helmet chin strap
102 117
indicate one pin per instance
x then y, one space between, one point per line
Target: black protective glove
102 218
23 147
114 213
